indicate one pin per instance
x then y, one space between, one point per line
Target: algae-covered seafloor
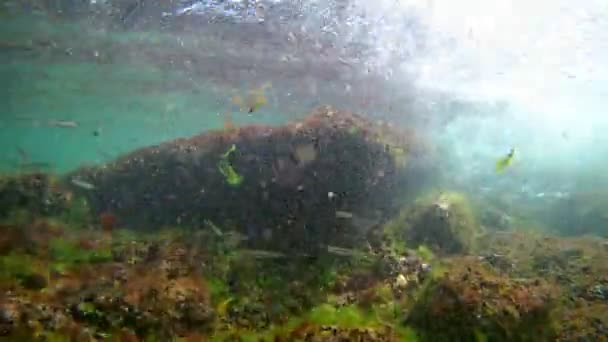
288 250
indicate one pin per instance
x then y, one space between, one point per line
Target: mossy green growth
354 317
231 176
480 336
445 222
345 317
56 337
87 308
16 266
425 253
407 334
64 251
270 334
218 289
385 293
328 277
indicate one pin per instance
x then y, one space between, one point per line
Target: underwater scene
303 170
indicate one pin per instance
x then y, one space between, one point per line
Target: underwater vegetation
209 256
471 300
227 170
70 284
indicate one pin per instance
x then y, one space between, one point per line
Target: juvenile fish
63 123
346 252
344 215
261 254
82 184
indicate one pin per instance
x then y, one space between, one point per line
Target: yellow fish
254 100
505 161
222 308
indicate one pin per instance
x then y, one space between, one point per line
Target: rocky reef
62 282
295 233
472 300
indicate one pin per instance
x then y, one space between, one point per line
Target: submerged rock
470 301
38 193
271 184
445 223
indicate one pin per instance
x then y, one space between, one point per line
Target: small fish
260 13
556 194
24 163
344 215
254 100
82 184
261 254
36 166
233 238
214 228
197 6
347 252
505 161
364 224
23 156
222 307
63 123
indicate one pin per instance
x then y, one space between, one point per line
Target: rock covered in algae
282 187
443 222
158 292
38 193
471 301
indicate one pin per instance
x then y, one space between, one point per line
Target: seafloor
71 269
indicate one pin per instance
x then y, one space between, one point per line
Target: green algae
425 253
443 221
344 317
67 252
265 277
226 169
16 266
480 336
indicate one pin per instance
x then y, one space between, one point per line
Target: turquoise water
130 87
292 170
118 103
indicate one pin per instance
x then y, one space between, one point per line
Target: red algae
107 221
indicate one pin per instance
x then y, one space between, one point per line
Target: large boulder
471 302
443 222
321 180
